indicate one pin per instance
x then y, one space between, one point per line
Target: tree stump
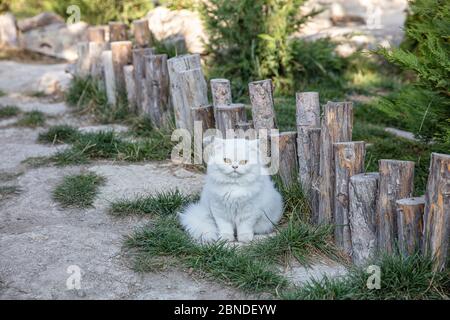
437 210
82 65
96 34
130 85
95 58
157 83
221 92
261 98
121 56
204 115
396 182
142 34
313 135
108 75
139 76
363 190
349 160
117 31
307 116
227 118
410 224
337 125
284 150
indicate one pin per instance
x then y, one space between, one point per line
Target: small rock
8 31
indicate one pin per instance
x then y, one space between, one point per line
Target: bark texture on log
349 161
437 210
284 150
363 191
396 182
186 75
337 126
142 34
205 115
221 92
108 75
227 118
117 31
307 116
314 167
157 83
130 85
96 34
410 224
121 56
95 53
139 76
261 98
82 65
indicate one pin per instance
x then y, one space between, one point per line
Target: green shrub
426 54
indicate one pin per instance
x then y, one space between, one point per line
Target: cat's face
234 157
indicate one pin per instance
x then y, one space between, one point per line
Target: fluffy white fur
238 196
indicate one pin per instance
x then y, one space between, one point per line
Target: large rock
56 40
41 20
183 28
8 30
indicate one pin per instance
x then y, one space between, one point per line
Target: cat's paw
227 236
245 237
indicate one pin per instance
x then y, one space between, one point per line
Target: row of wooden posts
372 212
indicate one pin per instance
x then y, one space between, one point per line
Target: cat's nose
234 167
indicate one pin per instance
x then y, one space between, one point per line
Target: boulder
8 30
41 20
182 28
56 40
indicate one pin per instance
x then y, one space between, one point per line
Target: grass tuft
8 191
59 134
162 204
9 112
32 119
78 190
402 278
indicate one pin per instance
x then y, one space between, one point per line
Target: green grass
2 93
9 112
32 119
78 190
37 94
162 204
402 278
8 191
59 134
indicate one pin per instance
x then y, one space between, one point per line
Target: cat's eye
227 160
242 162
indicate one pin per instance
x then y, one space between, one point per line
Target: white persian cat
238 196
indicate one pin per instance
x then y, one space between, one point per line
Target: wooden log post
437 210
396 182
142 35
228 117
157 84
130 86
307 116
181 100
117 31
314 167
363 190
95 62
349 160
261 98
221 92
244 125
108 75
204 115
121 56
410 224
337 125
96 34
139 76
284 151
82 65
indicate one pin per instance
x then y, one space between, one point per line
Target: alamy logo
74 280
74 13
374 280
